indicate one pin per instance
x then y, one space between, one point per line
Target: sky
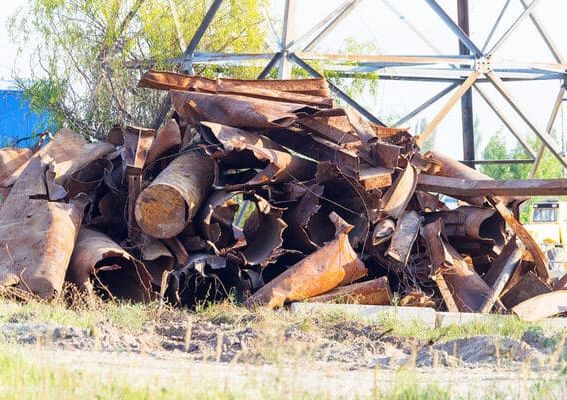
374 21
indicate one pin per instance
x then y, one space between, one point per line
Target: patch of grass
127 316
31 376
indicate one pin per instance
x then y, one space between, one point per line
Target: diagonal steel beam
326 24
336 90
271 64
548 128
187 65
545 36
332 24
211 12
543 135
463 37
448 106
505 119
513 27
426 104
495 26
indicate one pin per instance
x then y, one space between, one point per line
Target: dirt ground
350 357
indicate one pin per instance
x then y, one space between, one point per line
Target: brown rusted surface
248 178
385 154
330 266
439 254
165 207
137 144
404 236
528 286
498 263
253 234
281 166
542 306
237 111
157 259
450 168
167 138
89 177
373 292
538 255
468 289
65 146
456 187
171 80
446 293
99 261
36 236
399 194
11 159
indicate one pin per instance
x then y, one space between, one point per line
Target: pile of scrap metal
262 191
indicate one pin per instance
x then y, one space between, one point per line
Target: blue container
17 120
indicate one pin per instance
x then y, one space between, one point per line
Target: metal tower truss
462 72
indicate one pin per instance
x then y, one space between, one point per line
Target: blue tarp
17 120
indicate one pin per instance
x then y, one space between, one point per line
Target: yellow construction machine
548 226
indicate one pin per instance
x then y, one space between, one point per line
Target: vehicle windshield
545 214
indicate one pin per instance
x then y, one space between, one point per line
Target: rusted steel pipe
168 204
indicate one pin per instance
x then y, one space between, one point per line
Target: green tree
89 54
496 149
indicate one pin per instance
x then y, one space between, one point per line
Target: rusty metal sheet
441 259
114 273
527 287
404 236
372 292
298 217
383 231
204 279
137 144
331 126
375 178
65 145
244 226
36 246
168 204
257 88
508 268
281 166
539 257
12 158
317 148
157 259
36 236
385 154
330 266
450 168
167 138
397 197
89 177
498 263
171 80
468 289
428 202
542 306
237 111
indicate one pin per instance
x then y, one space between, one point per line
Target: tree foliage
496 149
88 54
